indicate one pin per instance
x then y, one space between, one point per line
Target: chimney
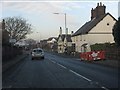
101 10
98 11
66 31
60 31
100 3
93 13
72 32
97 4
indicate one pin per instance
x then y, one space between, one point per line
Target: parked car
37 53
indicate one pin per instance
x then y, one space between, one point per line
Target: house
64 42
52 40
43 43
52 43
21 43
97 30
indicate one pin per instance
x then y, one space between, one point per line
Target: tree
17 27
116 32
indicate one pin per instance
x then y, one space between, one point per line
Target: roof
89 25
49 39
62 37
68 37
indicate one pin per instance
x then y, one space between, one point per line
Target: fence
9 53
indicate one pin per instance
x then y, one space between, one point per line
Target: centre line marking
62 66
104 88
53 61
80 75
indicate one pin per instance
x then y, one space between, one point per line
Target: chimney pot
60 30
72 32
97 4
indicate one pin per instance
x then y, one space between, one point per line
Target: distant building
52 43
64 42
52 40
21 43
97 30
43 43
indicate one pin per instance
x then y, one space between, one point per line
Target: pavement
108 63
11 63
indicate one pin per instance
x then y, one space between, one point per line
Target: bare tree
17 27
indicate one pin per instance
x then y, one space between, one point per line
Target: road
59 72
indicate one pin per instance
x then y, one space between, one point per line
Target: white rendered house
97 30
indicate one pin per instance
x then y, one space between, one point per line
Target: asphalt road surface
59 72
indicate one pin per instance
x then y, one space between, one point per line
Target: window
108 24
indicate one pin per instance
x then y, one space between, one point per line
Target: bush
116 32
101 46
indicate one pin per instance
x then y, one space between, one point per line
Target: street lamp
65 21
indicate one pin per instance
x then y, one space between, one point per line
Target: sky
45 23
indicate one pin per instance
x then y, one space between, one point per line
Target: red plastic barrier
93 55
101 55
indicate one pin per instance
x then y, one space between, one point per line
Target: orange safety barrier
93 55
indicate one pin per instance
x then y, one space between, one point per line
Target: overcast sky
45 23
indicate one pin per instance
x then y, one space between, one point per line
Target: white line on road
77 73
58 64
61 65
104 88
85 78
80 75
53 61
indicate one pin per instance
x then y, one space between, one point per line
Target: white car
37 53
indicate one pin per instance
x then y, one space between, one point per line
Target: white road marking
53 61
80 75
61 65
58 64
77 73
104 88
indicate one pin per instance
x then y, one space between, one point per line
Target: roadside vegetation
102 46
13 30
116 33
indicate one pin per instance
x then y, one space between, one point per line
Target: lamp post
65 21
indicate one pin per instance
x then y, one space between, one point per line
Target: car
37 53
